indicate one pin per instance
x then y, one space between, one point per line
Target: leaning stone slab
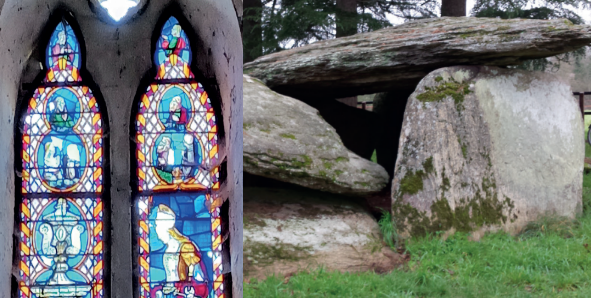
399 57
486 148
287 140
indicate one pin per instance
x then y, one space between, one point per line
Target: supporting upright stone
485 148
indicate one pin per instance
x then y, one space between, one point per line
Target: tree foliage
293 23
531 9
526 9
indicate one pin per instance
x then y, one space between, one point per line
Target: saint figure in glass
179 238
61 211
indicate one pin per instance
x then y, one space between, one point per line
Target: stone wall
118 57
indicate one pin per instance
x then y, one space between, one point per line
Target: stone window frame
25 93
103 14
212 88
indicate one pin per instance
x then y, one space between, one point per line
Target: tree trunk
453 8
253 33
346 17
347 25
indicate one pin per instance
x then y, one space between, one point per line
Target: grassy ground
374 157
552 258
587 147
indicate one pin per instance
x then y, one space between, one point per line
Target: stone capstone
485 148
398 57
288 230
287 140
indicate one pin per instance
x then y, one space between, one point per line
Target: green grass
587 147
587 122
551 258
587 195
387 228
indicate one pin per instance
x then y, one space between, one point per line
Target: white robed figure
182 259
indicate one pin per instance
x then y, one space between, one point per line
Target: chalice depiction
63 239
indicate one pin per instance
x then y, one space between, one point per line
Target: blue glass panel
65 257
179 231
63 44
61 236
173 40
174 109
180 243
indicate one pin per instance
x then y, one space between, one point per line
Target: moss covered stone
342 159
307 161
471 213
477 175
468 215
284 151
428 165
464 148
288 136
484 208
265 254
487 157
445 185
249 160
412 182
408 218
450 88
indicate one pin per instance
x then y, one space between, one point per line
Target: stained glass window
178 213
60 252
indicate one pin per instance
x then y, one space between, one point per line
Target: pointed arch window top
63 57
60 205
178 170
173 52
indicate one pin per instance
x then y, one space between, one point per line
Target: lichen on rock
288 141
444 89
485 174
287 230
354 65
